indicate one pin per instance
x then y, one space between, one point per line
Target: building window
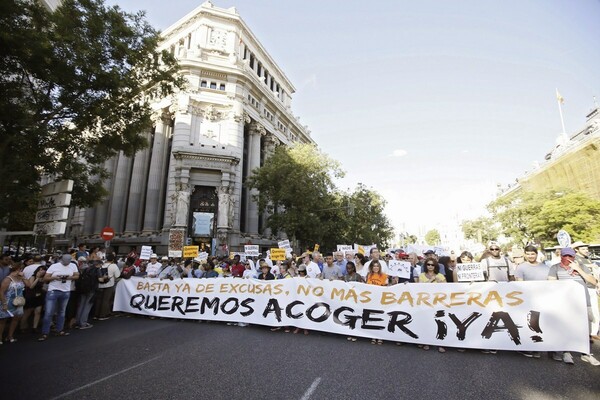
251 61
222 86
213 85
203 84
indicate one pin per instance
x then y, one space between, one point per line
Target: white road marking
311 389
103 379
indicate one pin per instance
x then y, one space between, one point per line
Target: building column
137 188
101 212
235 128
88 222
180 140
119 194
255 133
270 143
156 172
181 198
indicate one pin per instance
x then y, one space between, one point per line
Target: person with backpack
87 284
108 274
497 267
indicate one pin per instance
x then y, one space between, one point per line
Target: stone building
189 182
573 163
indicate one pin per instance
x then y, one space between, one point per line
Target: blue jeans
85 305
56 301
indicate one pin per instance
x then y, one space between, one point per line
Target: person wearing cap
58 277
302 271
582 256
154 267
569 269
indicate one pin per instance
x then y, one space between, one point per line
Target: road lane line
311 389
103 379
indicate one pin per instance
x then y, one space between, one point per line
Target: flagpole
562 121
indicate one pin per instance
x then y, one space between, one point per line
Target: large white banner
529 316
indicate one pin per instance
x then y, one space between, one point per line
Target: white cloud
399 153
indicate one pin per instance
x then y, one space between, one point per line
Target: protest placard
344 247
469 272
284 244
251 250
277 254
190 251
398 268
145 252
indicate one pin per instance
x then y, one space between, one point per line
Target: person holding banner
569 269
432 275
375 255
312 269
376 277
265 272
531 270
351 274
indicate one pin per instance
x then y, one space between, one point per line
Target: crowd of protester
64 292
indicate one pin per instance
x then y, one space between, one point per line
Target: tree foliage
482 230
296 187
432 237
537 217
77 85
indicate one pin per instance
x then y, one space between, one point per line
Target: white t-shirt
152 270
60 270
113 273
29 270
312 270
499 268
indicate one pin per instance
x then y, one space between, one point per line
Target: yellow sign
278 254
190 251
316 247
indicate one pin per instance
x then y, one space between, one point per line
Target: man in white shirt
375 255
30 269
312 269
58 277
109 272
154 267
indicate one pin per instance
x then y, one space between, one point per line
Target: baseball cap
567 251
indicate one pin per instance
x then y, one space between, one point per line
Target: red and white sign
107 233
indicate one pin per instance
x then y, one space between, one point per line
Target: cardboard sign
146 252
469 272
316 247
175 253
190 251
398 268
344 247
251 250
284 244
277 254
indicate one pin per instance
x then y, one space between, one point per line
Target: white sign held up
146 252
401 269
251 250
469 272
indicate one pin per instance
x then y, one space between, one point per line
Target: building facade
573 163
188 185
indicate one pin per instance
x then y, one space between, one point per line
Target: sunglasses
431 265
495 249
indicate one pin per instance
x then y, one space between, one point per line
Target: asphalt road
139 358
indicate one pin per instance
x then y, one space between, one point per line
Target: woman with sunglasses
432 275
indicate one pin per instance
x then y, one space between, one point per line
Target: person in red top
237 268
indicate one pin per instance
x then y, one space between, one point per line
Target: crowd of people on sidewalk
64 292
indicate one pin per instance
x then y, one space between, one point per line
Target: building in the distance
189 182
573 163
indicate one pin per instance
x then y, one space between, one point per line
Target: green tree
77 85
432 237
368 224
537 217
482 230
296 188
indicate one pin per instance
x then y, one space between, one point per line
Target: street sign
50 228
57 187
564 239
52 214
55 200
107 233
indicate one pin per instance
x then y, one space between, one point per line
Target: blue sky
431 103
